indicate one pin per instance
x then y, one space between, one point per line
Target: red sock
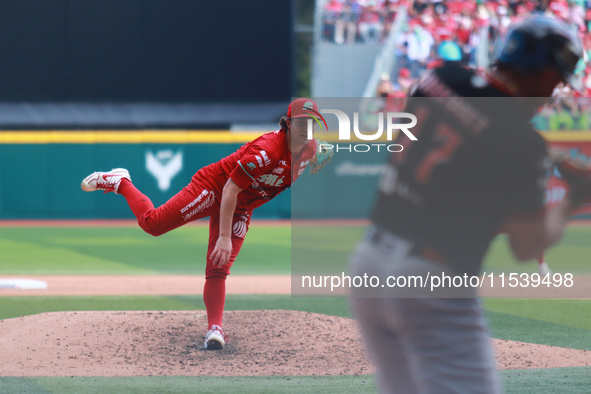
137 201
214 297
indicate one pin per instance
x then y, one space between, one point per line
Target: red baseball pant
193 202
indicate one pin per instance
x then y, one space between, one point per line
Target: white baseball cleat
215 339
543 269
107 181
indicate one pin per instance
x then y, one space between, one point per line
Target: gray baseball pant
419 345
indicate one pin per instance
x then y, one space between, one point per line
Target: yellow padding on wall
126 137
188 137
566 136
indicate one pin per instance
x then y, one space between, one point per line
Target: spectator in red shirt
404 82
346 25
331 16
559 8
370 24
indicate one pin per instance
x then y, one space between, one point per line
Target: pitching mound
171 343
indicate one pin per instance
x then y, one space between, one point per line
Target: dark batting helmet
538 43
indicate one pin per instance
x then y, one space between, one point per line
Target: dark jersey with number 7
476 162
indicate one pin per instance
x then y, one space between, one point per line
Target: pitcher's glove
324 153
576 172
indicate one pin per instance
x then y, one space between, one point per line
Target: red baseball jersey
263 167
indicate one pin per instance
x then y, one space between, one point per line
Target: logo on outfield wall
164 165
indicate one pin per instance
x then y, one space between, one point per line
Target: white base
23 284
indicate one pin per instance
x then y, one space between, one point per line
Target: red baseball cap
302 108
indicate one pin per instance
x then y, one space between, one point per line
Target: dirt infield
171 343
251 284
138 343
120 223
148 285
203 222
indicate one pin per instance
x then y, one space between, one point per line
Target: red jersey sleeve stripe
246 172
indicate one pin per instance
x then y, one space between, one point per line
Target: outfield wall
40 173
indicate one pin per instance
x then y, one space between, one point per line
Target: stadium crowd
457 30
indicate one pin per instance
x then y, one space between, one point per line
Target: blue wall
42 181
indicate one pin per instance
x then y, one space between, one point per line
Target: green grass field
128 251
